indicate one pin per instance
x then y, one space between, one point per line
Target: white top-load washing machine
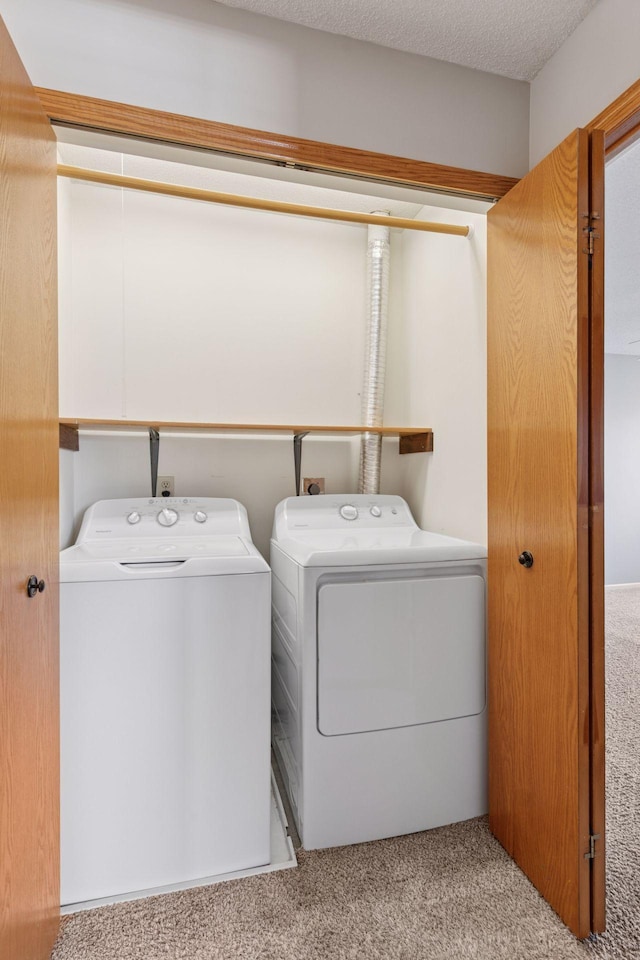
378 669
165 766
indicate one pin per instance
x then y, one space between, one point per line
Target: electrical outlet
313 482
165 487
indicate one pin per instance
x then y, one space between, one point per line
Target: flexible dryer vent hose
378 259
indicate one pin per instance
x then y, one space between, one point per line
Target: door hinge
589 233
592 846
590 241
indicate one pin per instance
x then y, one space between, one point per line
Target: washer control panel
167 517
159 517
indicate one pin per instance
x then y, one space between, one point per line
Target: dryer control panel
342 512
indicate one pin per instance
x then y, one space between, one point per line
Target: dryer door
397 652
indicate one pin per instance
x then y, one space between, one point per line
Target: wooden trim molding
126 120
620 121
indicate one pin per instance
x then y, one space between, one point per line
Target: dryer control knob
348 512
200 516
167 517
134 517
375 511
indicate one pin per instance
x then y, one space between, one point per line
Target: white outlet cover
165 484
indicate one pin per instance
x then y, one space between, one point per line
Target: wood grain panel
29 758
596 500
120 118
538 501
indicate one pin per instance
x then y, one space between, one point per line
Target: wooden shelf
412 439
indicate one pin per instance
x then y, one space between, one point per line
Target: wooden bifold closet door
29 753
546 679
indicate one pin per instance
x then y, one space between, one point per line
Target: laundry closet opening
175 310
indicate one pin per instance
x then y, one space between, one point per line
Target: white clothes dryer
378 669
165 759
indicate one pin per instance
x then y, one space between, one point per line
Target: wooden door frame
619 121
617 126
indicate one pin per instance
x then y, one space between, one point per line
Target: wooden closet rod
275 206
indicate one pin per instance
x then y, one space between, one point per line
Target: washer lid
152 551
130 559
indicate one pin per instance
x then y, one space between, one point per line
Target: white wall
203 59
437 376
591 68
177 310
622 469
188 311
182 311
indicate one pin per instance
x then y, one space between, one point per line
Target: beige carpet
622 940
446 894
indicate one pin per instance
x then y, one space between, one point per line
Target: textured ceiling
622 253
514 38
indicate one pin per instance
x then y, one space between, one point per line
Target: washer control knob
133 517
200 516
348 512
375 511
167 517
